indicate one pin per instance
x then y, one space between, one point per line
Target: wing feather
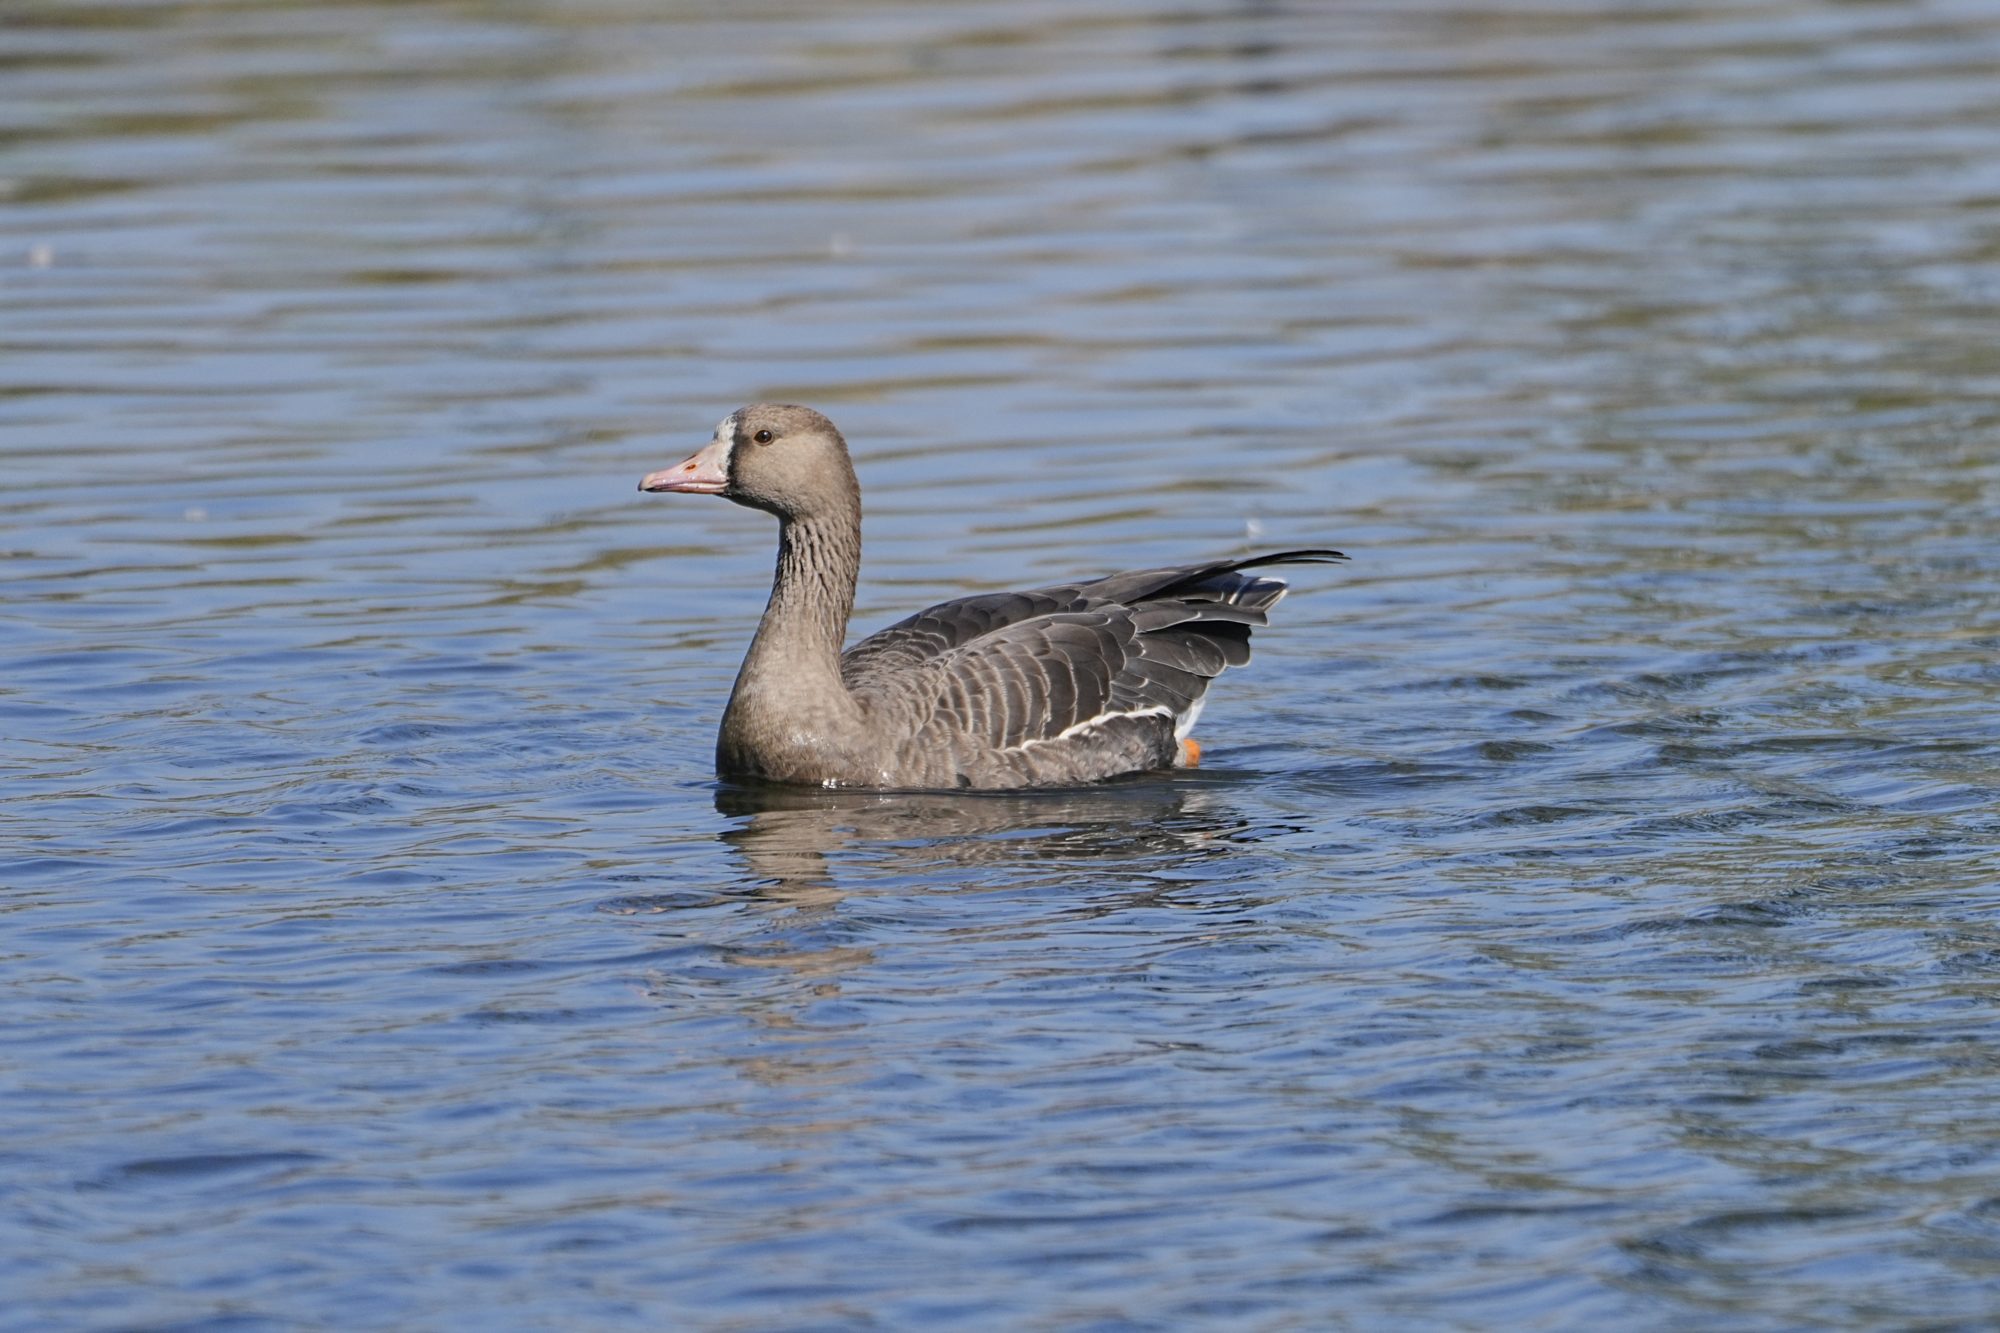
1051 667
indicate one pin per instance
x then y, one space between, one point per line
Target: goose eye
762 437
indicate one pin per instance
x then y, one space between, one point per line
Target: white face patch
725 429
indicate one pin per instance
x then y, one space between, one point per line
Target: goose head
786 460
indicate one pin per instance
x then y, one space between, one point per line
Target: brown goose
1050 687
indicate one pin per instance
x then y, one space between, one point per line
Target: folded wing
1128 656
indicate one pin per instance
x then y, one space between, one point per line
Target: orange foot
1190 752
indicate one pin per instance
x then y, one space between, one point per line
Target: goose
1057 686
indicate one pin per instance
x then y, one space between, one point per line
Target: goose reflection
787 959
788 834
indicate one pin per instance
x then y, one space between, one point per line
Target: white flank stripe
1077 729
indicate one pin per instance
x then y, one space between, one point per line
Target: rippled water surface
1586 915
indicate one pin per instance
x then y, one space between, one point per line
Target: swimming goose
1054 686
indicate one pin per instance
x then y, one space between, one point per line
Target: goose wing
936 630
1010 670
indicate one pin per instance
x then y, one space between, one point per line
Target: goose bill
706 473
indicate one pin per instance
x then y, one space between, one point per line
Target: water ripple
1578 922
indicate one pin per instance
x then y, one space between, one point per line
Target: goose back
1062 684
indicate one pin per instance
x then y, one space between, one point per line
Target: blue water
1585 916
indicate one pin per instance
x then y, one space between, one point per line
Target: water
1585 917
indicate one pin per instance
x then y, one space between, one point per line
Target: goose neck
812 595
